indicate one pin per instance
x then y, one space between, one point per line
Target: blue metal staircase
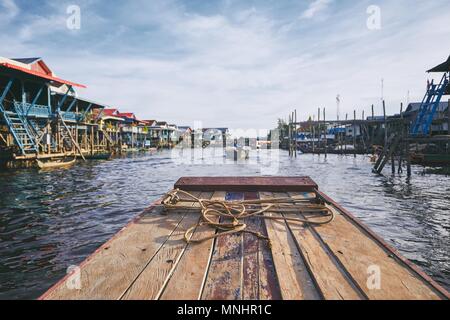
18 126
430 104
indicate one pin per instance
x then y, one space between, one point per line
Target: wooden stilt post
319 131
92 140
345 139
385 125
448 117
295 133
354 133
292 133
403 143
325 132
386 138
372 137
393 163
313 127
290 136
408 159
363 134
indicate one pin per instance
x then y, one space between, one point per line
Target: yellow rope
236 211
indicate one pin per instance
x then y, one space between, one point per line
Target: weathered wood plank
151 281
223 281
294 279
269 287
250 261
259 277
188 279
111 269
360 255
246 184
331 280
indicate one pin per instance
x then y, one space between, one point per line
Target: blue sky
240 64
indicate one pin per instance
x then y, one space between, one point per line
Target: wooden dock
339 260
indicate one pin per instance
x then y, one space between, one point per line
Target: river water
50 220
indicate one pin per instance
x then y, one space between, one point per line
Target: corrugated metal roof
40 75
443 67
415 106
126 115
26 60
109 112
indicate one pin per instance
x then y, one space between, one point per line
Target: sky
235 63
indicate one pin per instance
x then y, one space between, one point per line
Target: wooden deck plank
223 281
358 254
151 281
259 276
188 279
294 279
269 287
330 278
110 270
250 261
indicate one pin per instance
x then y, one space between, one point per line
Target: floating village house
440 118
111 124
41 115
184 135
164 134
133 133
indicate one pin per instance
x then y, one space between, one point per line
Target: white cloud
314 8
8 10
39 26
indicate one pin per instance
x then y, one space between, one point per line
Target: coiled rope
228 216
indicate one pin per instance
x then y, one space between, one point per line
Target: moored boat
247 238
59 163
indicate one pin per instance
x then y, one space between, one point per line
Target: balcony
70 116
39 111
28 110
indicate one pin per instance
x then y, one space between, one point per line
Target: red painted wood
247 184
40 75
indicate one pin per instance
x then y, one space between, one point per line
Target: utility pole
338 103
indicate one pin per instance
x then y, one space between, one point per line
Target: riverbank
51 220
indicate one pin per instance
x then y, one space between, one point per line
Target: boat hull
279 258
55 164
